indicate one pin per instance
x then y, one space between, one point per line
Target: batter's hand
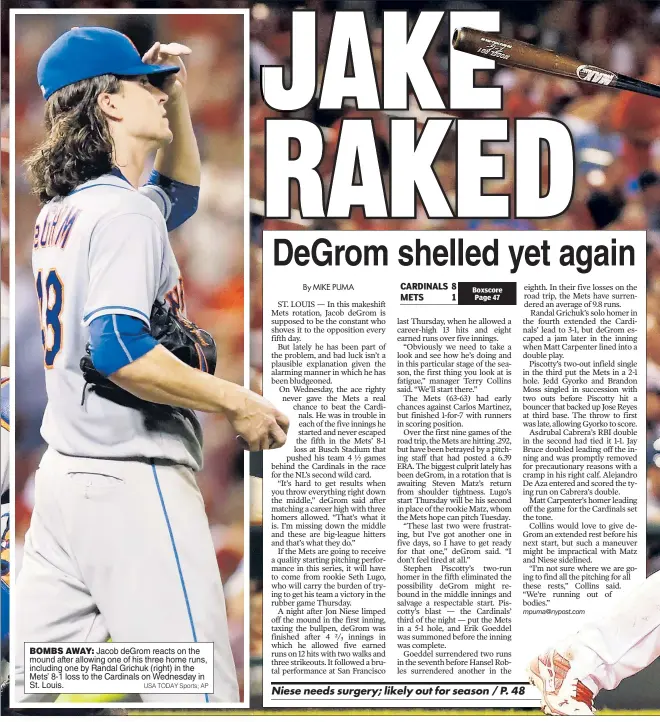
170 54
257 422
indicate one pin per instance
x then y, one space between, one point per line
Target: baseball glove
189 343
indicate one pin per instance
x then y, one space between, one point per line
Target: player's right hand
257 422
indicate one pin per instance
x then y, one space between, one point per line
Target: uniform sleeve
177 201
156 194
125 259
116 341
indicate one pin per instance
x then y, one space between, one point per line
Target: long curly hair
78 146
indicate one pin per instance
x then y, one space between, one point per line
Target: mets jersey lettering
54 230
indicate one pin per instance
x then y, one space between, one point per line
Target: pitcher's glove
189 343
183 338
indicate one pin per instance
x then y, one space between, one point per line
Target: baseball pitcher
119 544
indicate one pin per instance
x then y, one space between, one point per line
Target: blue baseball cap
84 53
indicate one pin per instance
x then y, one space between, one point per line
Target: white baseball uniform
119 544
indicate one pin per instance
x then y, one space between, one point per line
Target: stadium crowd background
617 139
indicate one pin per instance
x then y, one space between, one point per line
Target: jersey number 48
50 292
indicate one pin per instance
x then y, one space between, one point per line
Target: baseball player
119 544
601 654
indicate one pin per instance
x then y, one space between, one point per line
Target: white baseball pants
121 550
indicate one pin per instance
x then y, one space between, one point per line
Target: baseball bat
517 54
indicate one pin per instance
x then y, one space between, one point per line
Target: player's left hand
170 54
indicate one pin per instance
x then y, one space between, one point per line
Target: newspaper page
330 360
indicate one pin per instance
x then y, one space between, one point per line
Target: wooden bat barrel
507 51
